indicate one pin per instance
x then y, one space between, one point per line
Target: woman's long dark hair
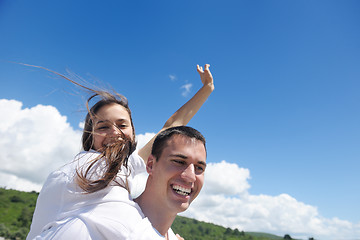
112 156
109 161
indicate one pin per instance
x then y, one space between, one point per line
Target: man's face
176 178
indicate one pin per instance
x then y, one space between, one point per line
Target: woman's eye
102 127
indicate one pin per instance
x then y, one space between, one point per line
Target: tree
201 229
4 231
228 231
25 217
16 198
236 232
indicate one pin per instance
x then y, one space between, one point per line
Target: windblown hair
112 156
109 161
107 99
162 138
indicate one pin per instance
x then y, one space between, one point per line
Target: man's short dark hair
162 138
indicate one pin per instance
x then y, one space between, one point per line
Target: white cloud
225 200
11 181
81 125
172 77
142 139
187 89
216 186
35 141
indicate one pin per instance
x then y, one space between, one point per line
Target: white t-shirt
64 211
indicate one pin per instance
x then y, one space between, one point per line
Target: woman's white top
64 211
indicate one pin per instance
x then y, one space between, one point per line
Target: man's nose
189 173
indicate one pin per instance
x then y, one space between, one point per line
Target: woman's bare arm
184 114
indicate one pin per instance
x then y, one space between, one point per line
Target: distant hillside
17 208
192 229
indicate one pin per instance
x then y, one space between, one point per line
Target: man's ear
150 164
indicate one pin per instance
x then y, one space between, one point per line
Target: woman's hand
205 75
179 238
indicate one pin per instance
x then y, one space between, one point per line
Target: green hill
192 229
17 208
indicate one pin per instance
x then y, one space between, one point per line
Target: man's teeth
182 191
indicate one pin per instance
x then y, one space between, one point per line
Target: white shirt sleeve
48 203
136 175
121 219
62 209
58 193
68 230
171 235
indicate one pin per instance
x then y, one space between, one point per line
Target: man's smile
181 190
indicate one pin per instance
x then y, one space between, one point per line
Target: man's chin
184 207
181 207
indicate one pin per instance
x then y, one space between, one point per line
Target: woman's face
109 122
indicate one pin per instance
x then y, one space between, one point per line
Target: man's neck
160 219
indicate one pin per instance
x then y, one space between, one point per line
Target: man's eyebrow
179 156
202 163
185 157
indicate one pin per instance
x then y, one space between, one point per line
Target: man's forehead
182 142
182 139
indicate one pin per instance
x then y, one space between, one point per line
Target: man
176 174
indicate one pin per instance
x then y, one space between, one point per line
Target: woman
109 160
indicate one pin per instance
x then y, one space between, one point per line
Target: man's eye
179 162
200 169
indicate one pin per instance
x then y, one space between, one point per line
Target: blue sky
286 73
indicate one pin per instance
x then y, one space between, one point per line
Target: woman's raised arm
184 114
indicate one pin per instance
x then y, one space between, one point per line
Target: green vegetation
17 208
192 229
